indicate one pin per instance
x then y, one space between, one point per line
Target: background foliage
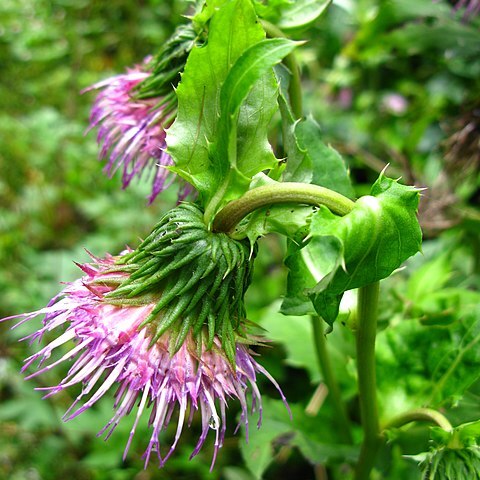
389 82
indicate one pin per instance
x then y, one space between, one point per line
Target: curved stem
330 380
365 342
285 192
419 415
295 89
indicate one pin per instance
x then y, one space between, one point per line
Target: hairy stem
285 192
367 387
419 415
295 88
330 380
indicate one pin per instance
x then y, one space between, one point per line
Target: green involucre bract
195 277
451 464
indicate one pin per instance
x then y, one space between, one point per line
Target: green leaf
430 278
271 10
292 333
310 160
226 99
327 167
301 13
307 266
314 436
233 143
364 246
248 69
205 12
471 429
191 137
289 220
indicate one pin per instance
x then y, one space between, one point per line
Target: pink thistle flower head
131 131
159 326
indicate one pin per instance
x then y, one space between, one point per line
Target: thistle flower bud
454 454
451 464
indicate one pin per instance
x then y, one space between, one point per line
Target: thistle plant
165 323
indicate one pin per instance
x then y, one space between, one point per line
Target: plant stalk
419 415
330 380
365 342
284 192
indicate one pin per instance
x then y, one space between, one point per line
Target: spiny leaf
362 247
226 99
248 69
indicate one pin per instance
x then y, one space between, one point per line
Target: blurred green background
392 82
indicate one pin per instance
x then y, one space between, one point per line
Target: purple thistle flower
131 130
110 347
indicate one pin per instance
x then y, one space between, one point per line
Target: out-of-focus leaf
236 473
295 334
301 13
429 279
417 37
321 453
430 364
292 331
258 452
312 435
29 410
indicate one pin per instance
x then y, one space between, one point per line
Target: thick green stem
325 365
365 340
419 415
285 192
295 88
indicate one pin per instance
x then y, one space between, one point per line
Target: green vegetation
386 83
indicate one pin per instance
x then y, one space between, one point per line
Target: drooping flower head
131 131
165 326
133 110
